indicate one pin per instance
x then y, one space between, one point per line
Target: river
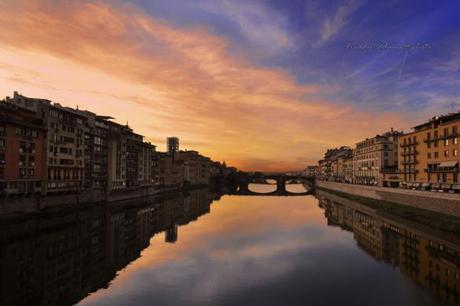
209 249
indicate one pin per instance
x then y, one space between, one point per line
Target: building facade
96 151
116 159
22 151
374 155
429 154
197 168
65 142
170 171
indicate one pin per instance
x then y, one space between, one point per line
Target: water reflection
60 259
428 257
262 188
251 250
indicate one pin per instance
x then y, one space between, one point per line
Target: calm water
204 249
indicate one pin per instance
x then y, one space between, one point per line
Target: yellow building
373 156
428 156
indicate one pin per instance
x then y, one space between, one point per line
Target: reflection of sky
259 251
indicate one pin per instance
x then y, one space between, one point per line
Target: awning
448 164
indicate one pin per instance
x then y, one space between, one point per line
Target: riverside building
373 156
22 151
429 155
65 142
48 148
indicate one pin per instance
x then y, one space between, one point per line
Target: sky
262 84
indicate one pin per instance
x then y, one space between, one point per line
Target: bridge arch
281 181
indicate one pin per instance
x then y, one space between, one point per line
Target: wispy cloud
163 79
333 24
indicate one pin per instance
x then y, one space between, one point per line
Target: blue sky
310 38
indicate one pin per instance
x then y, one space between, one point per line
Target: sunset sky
263 85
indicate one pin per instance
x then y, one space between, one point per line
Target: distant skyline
264 85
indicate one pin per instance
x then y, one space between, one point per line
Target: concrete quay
444 203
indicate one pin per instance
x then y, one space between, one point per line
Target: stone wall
34 203
434 201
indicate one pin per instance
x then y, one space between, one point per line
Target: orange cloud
165 80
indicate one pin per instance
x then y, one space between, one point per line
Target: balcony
403 145
414 152
413 162
444 137
441 170
408 171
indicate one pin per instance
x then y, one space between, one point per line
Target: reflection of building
433 263
171 233
58 260
368 234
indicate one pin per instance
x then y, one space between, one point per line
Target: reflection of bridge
281 180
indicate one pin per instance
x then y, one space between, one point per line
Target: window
22 160
428 155
455 152
22 147
455 140
22 172
446 153
2 143
31 161
31 147
446 142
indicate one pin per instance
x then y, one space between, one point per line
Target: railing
408 171
415 152
414 162
443 170
408 144
453 135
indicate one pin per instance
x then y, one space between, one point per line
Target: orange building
428 156
22 151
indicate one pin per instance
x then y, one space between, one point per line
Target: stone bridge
281 181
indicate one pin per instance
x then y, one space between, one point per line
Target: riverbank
16 205
441 211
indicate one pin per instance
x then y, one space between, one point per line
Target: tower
172 146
